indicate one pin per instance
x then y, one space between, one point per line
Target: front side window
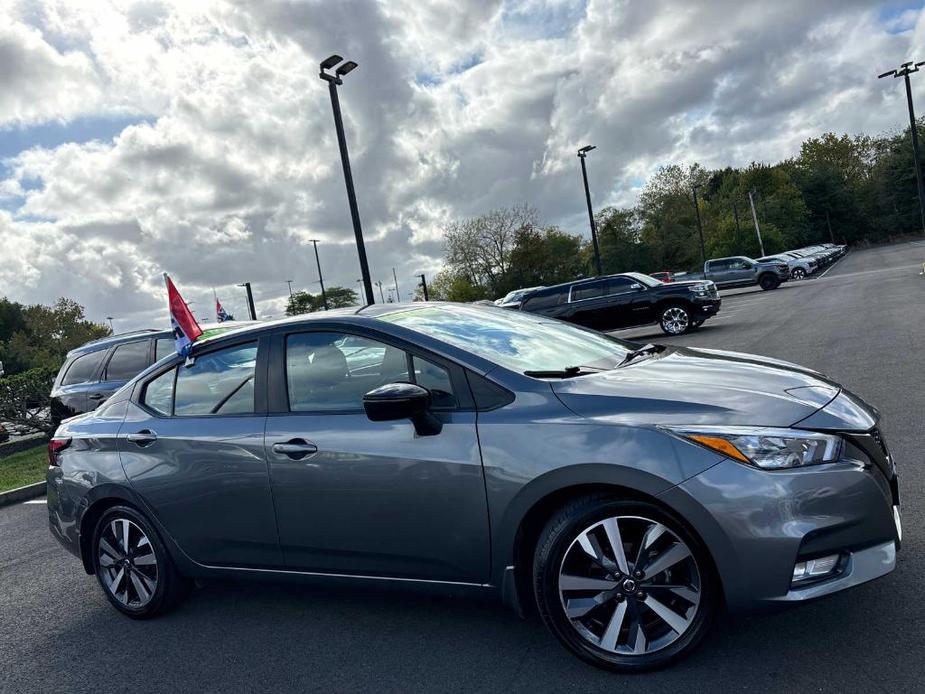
83 368
219 382
127 361
437 380
513 339
328 371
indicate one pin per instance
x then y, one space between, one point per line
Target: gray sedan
625 492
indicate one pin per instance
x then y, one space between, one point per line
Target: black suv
627 300
96 370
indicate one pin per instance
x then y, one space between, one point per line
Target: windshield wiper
566 372
645 349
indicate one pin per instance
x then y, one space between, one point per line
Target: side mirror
395 401
636 287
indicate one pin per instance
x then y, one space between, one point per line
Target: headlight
767 448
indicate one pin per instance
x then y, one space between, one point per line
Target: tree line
839 188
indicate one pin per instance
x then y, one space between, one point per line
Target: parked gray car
623 491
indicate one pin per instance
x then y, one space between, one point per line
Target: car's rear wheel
132 565
674 319
798 273
768 281
623 584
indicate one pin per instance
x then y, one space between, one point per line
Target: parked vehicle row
805 261
625 492
627 300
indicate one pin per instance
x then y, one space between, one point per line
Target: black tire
149 582
696 324
675 319
557 544
798 273
768 282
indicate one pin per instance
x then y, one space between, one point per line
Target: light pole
111 329
904 71
333 81
250 300
289 282
582 153
324 297
379 284
397 293
751 201
703 248
735 214
424 287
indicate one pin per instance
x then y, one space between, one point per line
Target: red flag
185 327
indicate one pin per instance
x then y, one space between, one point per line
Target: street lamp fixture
582 153
333 81
904 71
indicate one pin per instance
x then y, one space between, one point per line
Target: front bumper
758 524
706 307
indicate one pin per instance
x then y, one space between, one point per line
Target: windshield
644 279
517 341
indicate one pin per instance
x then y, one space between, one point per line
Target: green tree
542 257
304 302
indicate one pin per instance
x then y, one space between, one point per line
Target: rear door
588 305
358 497
742 271
718 270
192 447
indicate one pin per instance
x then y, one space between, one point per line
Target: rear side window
127 361
220 382
159 393
546 300
717 265
590 290
619 285
163 346
83 368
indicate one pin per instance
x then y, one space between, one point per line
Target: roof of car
110 340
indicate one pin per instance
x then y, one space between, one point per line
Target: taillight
55 446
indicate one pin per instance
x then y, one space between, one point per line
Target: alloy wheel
629 585
128 563
799 273
675 320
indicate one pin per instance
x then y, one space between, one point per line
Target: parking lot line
36 501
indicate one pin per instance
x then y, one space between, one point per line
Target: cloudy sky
196 138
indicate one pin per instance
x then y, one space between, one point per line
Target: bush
25 398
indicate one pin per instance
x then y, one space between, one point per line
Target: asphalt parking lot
863 324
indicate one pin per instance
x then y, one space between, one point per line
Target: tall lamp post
289 282
111 329
250 300
904 71
751 201
703 248
582 153
424 286
324 297
333 82
735 214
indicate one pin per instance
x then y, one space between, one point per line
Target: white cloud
456 108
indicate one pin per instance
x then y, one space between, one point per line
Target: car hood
697 386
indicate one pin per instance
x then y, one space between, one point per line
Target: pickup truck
740 271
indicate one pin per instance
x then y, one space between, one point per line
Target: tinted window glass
620 285
718 265
546 300
163 347
127 361
159 393
83 368
587 291
437 380
328 371
220 382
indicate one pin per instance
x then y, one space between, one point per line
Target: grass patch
26 467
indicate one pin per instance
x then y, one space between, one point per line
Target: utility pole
751 201
582 153
289 282
333 81
397 293
828 223
250 300
379 284
735 214
703 248
324 297
904 71
424 287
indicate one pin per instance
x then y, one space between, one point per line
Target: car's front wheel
674 319
798 273
623 585
132 565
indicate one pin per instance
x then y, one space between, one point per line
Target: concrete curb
30 491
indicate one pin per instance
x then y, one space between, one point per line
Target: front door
373 498
192 447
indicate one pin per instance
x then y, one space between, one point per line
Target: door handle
295 448
96 396
142 438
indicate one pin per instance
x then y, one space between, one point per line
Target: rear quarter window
83 369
